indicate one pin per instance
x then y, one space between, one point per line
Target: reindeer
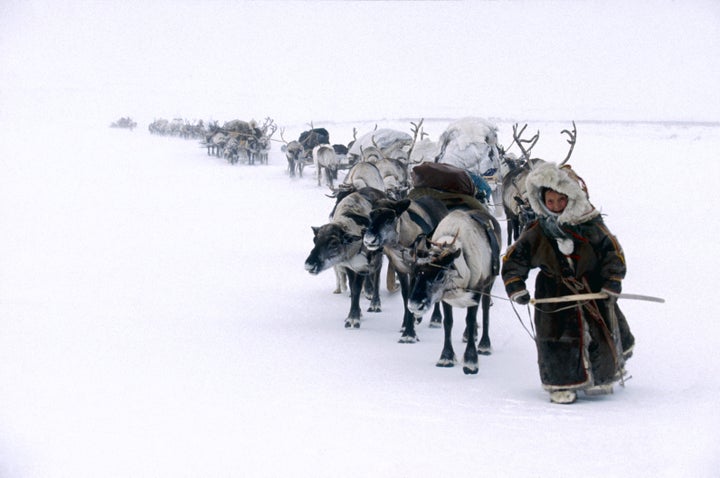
391 144
259 142
339 244
461 263
395 227
326 161
517 209
392 160
215 141
295 154
471 144
362 176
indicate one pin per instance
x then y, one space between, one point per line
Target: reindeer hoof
445 363
374 308
352 323
470 369
484 350
435 324
407 339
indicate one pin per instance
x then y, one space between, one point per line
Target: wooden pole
570 298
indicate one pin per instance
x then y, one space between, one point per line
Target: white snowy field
156 321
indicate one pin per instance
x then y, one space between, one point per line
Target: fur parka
575 253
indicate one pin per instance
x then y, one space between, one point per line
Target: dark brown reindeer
395 226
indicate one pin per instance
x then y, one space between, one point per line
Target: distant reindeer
295 154
326 161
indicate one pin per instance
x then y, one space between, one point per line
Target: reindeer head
431 276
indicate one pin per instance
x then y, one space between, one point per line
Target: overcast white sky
641 60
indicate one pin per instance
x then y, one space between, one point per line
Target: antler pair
517 138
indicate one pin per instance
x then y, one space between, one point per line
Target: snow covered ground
156 320
155 316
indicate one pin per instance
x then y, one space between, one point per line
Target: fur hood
565 181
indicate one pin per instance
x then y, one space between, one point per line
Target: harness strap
489 228
420 221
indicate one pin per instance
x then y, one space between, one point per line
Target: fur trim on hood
565 181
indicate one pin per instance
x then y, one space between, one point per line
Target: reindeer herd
236 141
428 208
429 212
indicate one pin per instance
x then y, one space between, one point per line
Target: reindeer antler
372 150
443 245
416 128
517 138
572 140
269 125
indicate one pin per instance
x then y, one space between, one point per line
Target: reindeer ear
359 219
315 230
401 206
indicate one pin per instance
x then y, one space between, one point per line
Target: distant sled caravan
240 141
124 122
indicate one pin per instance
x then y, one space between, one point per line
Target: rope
531 331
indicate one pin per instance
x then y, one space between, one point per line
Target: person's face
555 201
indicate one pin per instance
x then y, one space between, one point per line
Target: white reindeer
460 268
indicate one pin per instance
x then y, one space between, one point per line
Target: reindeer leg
470 359
465 332
436 317
447 357
409 336
374 283
340 280
390 278
484 347
330 178
356 281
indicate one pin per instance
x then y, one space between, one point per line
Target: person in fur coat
576 254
